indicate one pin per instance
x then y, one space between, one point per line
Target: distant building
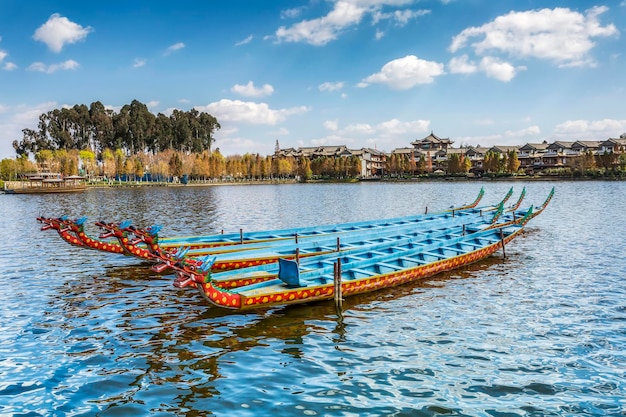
436 151
613 145
530 156
372 160
432 143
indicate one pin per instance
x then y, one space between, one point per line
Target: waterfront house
530 156
432 143
436 152
557 154
372 162
476 156
615 145
584 146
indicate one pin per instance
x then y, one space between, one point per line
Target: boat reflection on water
188 333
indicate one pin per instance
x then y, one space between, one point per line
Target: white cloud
389 134
491 66
401 17
283 131
331 124
59 31
329 86
291 13
380 3
507 138
494 68
168 112
245 41
152 104
232 141
249 112
9 66
173 48
345 13
462 65
560 35
249 90
229 145
15 118
528 131
572 130
70 64
324 29
139 62
405 73
379 34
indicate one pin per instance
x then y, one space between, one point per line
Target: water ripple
540 333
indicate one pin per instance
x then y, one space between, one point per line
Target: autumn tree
120 162
12 169
176 165
512 162
584 162
88 159
108 163
607 160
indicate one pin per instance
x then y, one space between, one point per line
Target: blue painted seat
289 273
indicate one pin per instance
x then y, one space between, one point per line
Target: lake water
540 332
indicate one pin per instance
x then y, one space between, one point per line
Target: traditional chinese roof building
432 143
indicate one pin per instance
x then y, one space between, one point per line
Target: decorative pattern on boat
225 298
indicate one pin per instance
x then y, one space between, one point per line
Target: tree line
455 163
135 144
134 129
170 165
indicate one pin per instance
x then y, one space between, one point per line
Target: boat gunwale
431 269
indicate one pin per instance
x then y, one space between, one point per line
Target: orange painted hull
232 300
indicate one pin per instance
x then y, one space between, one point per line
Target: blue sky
361 73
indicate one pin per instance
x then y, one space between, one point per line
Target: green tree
454 164
102 129
108 163
12 169
88 159
44 158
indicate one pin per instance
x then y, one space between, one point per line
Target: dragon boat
361 239
73 232
266 252
354 234
356 273
145 243
252 274
445 244
194 242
